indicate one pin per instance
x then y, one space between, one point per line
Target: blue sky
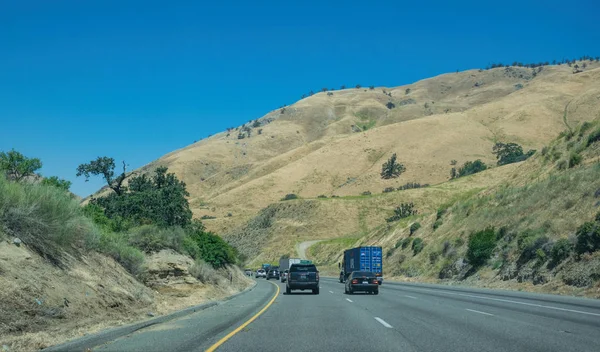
135 80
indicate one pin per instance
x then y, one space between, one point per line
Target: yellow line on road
224 339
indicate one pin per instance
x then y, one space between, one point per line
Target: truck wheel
315 291
267 279
287 290
376 292
345 290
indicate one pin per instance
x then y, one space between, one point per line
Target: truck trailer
285 263
362 259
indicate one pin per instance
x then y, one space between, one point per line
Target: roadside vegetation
151 213
536 230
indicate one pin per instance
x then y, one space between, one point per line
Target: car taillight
317 276
354 281
375 281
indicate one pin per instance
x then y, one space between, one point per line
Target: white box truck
284 266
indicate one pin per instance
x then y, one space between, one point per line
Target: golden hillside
334 143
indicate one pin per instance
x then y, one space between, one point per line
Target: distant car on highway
284 275
303 277
260 273
364 281
248 272
273 274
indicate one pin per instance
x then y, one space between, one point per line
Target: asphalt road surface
403 317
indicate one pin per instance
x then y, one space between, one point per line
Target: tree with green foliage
105 167
481 246
17 167
391 168
57 182
508 153
159 199
471 167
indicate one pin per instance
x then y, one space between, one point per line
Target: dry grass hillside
334 143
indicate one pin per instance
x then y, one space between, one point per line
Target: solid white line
410 297
330 291
515 302
477 311
383 323
349 300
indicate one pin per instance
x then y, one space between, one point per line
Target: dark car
364 281
273 273
303 277
284 275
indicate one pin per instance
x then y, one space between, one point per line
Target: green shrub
190 247
322 196
433 257
594 137
115 245
562 165
45 218
289 197
574 160
150 238
417 246
414 227
437 224
213 249
403 211
403 242
471 167
481 246
207 217
529 246
389 189
560 251
588 238
366 193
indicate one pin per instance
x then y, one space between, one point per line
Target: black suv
303 277
273 274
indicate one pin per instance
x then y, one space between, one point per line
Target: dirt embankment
43 305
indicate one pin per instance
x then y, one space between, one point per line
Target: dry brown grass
311 149
101 294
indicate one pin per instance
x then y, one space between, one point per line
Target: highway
403 317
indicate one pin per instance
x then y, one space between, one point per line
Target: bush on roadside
588 238
481 246
45 218
150 238
561 250
414 227
575 159
417 246
204 272
290 197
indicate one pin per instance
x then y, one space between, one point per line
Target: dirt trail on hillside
302 247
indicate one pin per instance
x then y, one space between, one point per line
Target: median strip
479 312
224 339
410 296
383 322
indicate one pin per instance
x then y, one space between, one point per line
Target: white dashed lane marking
383 322
479 312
